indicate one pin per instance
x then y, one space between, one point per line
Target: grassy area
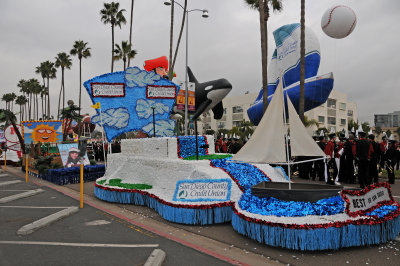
384 174
117 183
209 157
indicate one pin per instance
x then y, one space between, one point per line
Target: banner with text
368 199
203 190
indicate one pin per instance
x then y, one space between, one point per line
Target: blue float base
318 239
170 213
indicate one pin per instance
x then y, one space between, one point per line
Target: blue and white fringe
169 213
318 239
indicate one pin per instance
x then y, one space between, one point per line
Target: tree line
34 101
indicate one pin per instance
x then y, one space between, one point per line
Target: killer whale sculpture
209 95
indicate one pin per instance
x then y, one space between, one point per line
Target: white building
336 112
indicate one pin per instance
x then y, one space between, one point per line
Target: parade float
183 180
285 61
52 159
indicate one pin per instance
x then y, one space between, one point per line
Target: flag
96 106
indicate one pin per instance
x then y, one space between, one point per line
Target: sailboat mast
286 137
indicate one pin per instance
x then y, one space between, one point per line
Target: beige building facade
336 112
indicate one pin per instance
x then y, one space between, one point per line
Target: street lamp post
204 15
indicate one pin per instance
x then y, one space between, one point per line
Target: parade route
107 225
219 241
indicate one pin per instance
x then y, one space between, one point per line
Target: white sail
267 144
301 143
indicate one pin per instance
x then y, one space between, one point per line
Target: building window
331 103
221 125
237 109
321 119
342 106
331 120
343 121
224 110
350 113
236 123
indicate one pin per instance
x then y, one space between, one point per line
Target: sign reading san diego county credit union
203 190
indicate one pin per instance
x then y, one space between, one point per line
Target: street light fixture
204 15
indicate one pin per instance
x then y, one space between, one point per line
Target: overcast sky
227 44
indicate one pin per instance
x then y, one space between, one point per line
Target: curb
156 258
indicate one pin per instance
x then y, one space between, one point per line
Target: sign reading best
368 199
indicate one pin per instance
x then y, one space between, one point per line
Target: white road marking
80 244
32 227
21 195
10 182
97 222
1 175
11 190
35 207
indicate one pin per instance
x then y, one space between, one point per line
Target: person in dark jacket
390 160
363 153
373 162
349 154
320 165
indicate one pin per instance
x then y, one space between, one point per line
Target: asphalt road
224 240
79 238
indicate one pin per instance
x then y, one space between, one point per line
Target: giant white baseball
338 21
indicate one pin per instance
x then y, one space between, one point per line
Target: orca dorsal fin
192 78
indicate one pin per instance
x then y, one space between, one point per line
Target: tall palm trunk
112 49
42 107
48 97
302 60
124 59
29 104
130 31
80 83
37 107
180 34
264 51
59 95
171 40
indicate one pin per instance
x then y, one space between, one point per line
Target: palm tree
8 116
23 88
365 126
43 94
13 96
302 60
171 39
124 52
130 30
6 98
81 49
352 124
41 69
378 131
263 6
111 14
70 114
33 87
64 61
50 73
21 101
310 122
171 68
